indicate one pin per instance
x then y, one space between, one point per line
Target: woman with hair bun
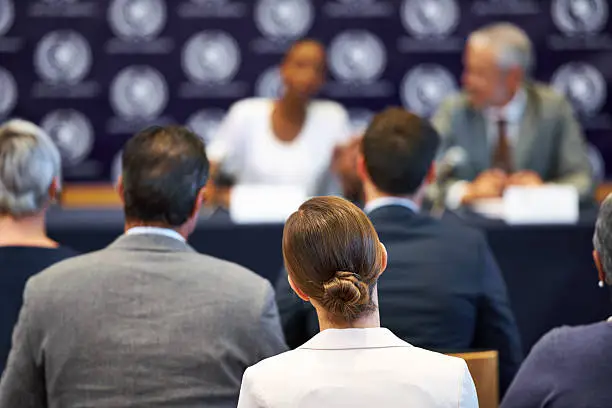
334 258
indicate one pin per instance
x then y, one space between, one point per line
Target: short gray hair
511 43
602 239
29 161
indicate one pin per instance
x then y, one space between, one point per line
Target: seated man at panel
147 321
442 290
514 131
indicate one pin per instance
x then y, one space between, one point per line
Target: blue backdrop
92 72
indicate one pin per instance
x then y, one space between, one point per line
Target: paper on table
548 204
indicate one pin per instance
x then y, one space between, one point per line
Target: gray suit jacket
146 322
550 140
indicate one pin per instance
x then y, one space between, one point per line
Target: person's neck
25 231
129 224
291 107
329 321
372 194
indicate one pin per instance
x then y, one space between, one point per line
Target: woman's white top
358 368
247 148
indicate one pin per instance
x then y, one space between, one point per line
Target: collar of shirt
342 339
167 232
510 112
386 201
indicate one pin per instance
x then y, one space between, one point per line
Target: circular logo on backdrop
137 19
269 84
284 18
60 2
72 133
580 16
211 56
7 16
62 57
424 18
139 93
359 120
205 123
425 86
8 95
116 166
583 85
357 56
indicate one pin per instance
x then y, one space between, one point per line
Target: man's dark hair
399 148
164 169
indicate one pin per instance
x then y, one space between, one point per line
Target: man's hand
525 178
489 184
344 164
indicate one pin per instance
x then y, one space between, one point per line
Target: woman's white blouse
358 368
246 147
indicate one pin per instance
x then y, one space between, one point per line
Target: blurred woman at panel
30 170
289 141
334 258
571 367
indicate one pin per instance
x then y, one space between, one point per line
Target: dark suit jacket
442 290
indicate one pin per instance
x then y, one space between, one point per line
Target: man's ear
297 290
120 189
431 174
598 265
200 199
362 169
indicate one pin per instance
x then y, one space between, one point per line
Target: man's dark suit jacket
442 290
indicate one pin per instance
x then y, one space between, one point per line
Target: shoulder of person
550 99
243 277
571 337
454 227
250 107
331 109
455 102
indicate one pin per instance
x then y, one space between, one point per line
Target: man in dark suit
147 321
442 289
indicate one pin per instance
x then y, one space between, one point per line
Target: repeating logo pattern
8 93
72 133
63 57
425 86
358 56
269 84
580 16
211 56
424 18
205 123
137 20
139 93
284 19
7 16
583 84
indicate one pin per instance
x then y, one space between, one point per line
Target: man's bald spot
304 43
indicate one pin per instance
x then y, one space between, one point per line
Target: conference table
548 269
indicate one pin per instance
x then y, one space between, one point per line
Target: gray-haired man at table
146 322
513 131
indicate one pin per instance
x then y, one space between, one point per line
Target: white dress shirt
511 113
247 148
358 368
167 232
386 201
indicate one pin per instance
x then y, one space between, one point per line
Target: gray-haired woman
30 172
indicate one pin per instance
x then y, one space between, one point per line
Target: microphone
446 166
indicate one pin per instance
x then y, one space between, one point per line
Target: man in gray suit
511 130
146 322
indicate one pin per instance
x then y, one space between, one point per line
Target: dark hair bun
345 295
